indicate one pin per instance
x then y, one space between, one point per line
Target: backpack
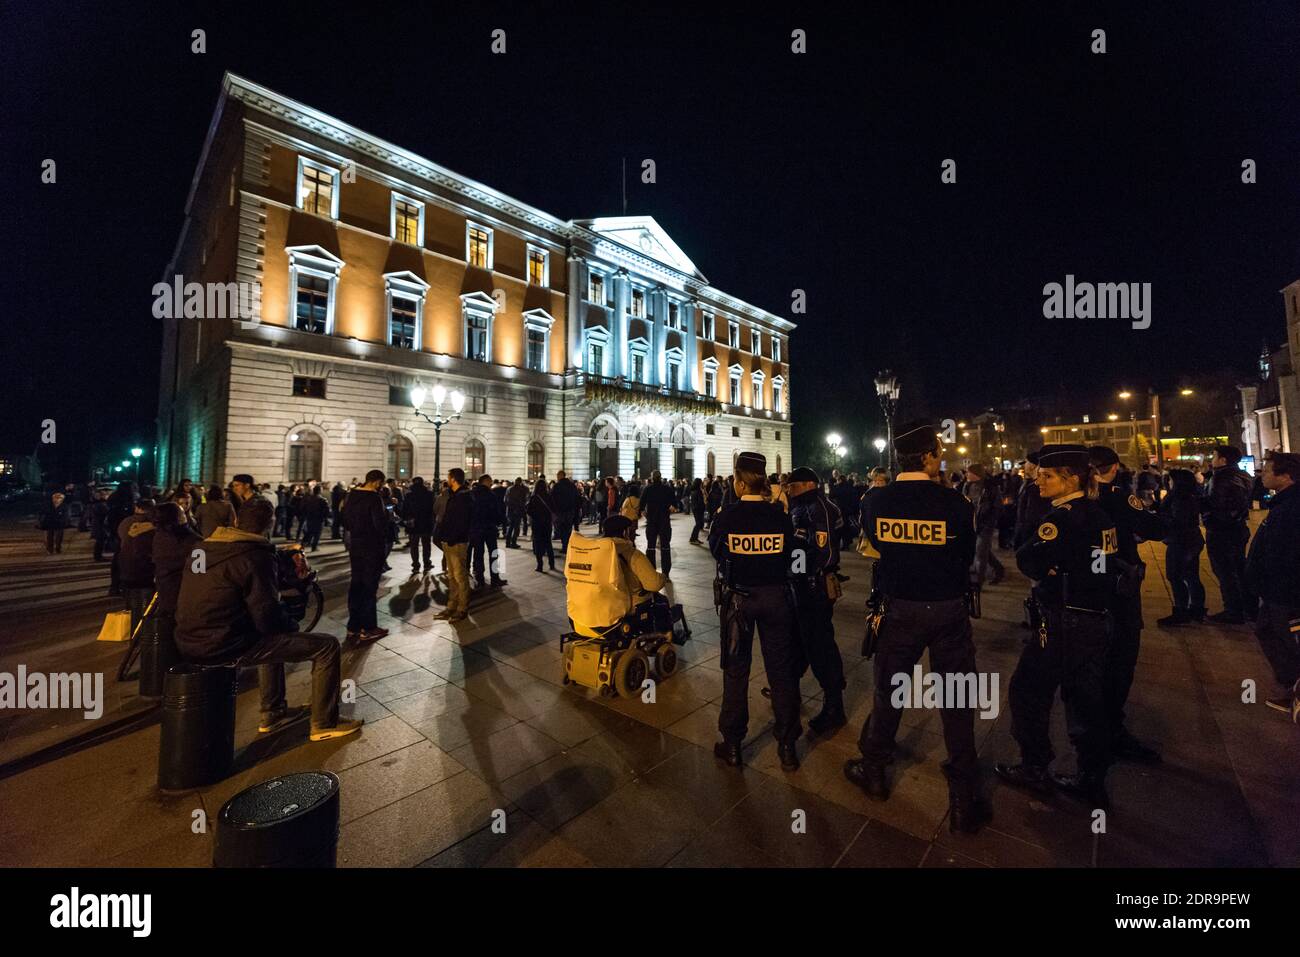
597 600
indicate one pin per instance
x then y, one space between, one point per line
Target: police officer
924 531
1132 522
815 562
751 541
1069 560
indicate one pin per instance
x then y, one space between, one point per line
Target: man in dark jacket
417 514
453 538
845 494
311 513
516 503
229 611
1226 510
337 495
1273 573
366 520
564 498
486 518
657 505
984 499
135 559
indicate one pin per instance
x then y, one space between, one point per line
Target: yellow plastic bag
117 627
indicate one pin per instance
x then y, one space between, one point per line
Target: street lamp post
836 444
887 389
135 454
437 420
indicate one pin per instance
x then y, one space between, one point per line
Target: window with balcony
407 220
674 375
733 388
711 383
318 188
536 358
476 336
312 303
402 322
478 246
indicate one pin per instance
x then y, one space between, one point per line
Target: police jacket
925 534
1273 565
1031 508
224 610
1227 505
817 524
1132 520
1068 555
751 541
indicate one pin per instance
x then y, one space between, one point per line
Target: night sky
775 172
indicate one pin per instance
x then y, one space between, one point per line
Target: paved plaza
467 719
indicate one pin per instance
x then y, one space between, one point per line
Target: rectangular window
479 252
755 342
778 436
638 304
777 396
476 336
401 323
537 410
308 388
733 396
733 335
708 326
596 359
399 396
536 266
776 349
312 310
536 358
596 288
710 383
674 375
317 189
708 429
638 367
408 221
674 316
478 403
758 433
735 431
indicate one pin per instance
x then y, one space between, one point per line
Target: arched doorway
647 456
305 448
536 461
603 450
778 464
401 457
475 459
711 467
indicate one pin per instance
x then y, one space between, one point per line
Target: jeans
1281 645
457 558
421 538
367 567
1183 569
984 556
311 533
514 517
663 534
269 656
483 550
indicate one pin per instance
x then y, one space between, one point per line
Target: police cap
1064 456
804 474
751 462
1032 457
916 438
1103 456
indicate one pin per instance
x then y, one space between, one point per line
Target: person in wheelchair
638 585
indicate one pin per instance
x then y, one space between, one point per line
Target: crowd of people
777 541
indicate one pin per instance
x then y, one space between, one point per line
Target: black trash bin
157 652
197 744
289 821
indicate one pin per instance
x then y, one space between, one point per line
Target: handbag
117 627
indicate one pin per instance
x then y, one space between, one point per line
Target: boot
1029 777
789 756
729 754
1086 786
831 716
967 813
539 564
869 777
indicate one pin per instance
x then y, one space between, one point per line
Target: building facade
1271 405
323 273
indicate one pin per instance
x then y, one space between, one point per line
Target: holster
877 605
834 590
729 622
974 607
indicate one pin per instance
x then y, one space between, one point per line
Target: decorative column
622 301
659 337
691 313
576 309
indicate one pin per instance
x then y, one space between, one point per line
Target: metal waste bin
197 744
157 652
289 821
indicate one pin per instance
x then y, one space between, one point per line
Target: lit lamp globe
439 394
417 396
136 453
879 444
457 400
841 451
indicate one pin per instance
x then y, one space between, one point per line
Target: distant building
360 270
1271 405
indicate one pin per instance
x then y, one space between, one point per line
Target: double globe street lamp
437 420
887 389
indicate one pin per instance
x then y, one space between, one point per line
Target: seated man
601 594
229 611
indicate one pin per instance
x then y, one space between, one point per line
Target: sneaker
373 634
344 727
278 720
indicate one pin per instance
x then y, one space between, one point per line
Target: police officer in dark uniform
1069 559
925 533
751 541
815 562
1132 522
